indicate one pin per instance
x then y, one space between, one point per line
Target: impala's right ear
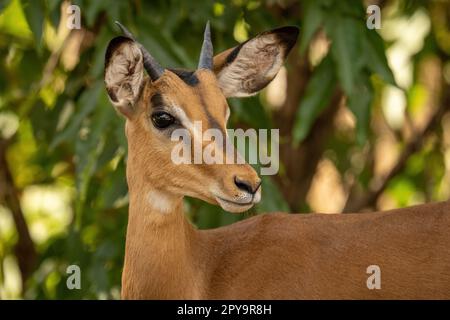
124 74
244 70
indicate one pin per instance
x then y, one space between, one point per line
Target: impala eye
162 119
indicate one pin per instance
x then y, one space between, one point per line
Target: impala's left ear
244 70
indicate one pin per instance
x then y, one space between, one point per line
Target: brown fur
272 256
282 256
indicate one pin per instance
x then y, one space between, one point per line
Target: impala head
167 99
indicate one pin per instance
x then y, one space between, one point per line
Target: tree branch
413 146
24 249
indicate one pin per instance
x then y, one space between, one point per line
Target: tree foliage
65 149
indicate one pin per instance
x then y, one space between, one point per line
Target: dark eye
162 119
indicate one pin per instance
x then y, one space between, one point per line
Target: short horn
152 66
206 55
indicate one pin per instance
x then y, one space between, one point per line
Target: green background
362 118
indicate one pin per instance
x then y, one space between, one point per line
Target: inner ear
124 74
249 67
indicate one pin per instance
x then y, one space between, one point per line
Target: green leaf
376 58
250 111
114 186
98 58
207 215
4 4
35 12
54 11
44 121
14 22
313 18
317 96
155 42
359 104
271 198
87 102
346 48
92 11
88 149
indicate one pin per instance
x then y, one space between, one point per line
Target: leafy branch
369 199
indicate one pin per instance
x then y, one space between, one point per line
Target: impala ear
244 70
124 74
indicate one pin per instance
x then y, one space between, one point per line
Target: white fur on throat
160 201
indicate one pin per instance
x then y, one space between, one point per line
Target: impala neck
160 253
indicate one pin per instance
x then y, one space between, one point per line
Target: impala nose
246 185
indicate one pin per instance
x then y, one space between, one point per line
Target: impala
272 256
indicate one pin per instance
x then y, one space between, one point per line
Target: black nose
246 185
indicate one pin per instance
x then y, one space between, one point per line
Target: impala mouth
236 206
235 202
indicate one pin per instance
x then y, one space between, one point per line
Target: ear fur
124 74
247 68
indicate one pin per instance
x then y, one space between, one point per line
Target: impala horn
152 66
206 55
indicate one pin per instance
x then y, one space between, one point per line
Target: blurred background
363 116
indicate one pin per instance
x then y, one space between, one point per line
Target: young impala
272 256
